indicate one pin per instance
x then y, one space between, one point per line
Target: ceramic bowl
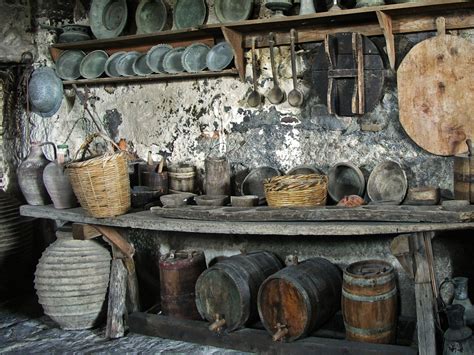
220 57
151 16
93 64
387 183
140 67
194 57
108 18
45 91
208 200
345 179
125 63
172 62
111 64
155 56
69 63
244 201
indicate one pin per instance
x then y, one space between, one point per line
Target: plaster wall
185 119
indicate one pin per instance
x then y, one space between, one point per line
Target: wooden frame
384 20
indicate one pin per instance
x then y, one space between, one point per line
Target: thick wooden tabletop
148 221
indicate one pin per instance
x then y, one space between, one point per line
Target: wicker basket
296 190
101 184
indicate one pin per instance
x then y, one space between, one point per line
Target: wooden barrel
464 176
300 298
369 302
179 272
226 293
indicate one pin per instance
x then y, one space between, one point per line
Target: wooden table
419 240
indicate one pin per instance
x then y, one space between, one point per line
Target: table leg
425 300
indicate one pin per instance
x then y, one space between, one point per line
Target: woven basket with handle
296 190
101 184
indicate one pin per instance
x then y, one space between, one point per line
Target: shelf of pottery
194 49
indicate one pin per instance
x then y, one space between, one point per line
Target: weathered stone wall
186 118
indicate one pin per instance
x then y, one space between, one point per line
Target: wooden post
425 302
116 306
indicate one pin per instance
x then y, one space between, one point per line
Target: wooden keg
300 298
226 293
369 302
179 272
464 175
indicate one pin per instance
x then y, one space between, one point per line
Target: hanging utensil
276 95
254 98
295 97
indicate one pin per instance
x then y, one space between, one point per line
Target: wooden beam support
236 41
84 231
116 307
400 248
112 235
252 340
425 301
385 22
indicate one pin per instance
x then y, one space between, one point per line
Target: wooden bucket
217 176
369 302
464 176
298 299
178 274
182 178
226 293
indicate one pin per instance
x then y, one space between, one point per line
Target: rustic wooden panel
252 340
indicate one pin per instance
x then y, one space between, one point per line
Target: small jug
461 296
458 338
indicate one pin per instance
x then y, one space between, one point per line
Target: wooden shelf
384 20
149 221
153 77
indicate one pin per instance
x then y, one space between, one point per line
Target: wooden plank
84 231
385 22
425 301
409 23
152 77
149 221
382 213
117 240
252 340
400 248
133 295
236 39
116 307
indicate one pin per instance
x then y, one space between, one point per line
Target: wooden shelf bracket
236 41
385 22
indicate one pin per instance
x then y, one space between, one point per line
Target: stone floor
24 330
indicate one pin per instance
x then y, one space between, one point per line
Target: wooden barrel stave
369 305
300 297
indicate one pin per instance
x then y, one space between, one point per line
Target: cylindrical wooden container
226 293
182 178
464 176
178 274
217 176
156 181
300 298
369 302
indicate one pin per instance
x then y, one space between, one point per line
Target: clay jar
30 176
58 185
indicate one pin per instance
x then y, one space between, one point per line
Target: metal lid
140 66
111 64
172 62
155 56
125 63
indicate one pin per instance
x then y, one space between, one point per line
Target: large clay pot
15 243
58 185
30 176
71 281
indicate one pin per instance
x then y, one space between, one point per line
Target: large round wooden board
436 94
